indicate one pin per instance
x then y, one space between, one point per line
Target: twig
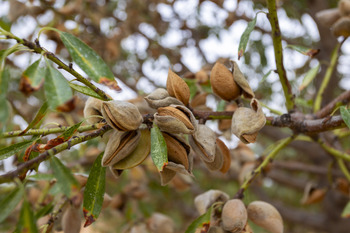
336 153
327 77
343 168
328 109
282 144
51 152
277 44
38 49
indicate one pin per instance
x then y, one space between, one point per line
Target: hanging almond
265 215
342 27
161 98
247 122
234 216
226 155
205 200
178 88
203 143
121 115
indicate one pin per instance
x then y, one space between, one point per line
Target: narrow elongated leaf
70 131
65 179
45 210
4 81
345 114
245 37
346 211
57 89
304 50
159 152
27 221
85 90
38 117
94 192
9 203
32 78
202 222
265 76
13 149
310 75
88 60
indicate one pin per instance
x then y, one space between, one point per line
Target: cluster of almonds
234 215
129 144
338 19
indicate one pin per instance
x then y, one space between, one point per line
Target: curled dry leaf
246 122
119 146
234 216
138 155
328 17
121 115
161 98
160 223
265 215
203 143
93 107
178 88
342 27
175 119
71 221
205 200
312 194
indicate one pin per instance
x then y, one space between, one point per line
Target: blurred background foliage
140 40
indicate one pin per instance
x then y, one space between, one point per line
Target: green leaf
94 192
159 152
304 50
5 108
85 90
88 60
70 131
5 23
65 178
45 210
32 78
57 89
13 149
27 221
245 36
345 115
40 176
346 211
310 75
38 117
9 203
202 222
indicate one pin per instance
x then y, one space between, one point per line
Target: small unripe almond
234 216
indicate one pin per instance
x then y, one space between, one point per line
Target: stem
277 44
336 153
326 78
281 144
38 49
343 168
51 152
44 132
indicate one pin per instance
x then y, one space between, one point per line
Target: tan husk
121 115
234 216
138 155
342 27
175 119
240 80
344 7
93 107
199 100
203 143
246 122
160 223
120 145
328 17
177 152
207 199
265 215
201 76
161 98
177 87
223 84
166 176
219 157
222 148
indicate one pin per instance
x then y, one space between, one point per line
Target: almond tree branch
38 49
8 177
344 98
277 44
